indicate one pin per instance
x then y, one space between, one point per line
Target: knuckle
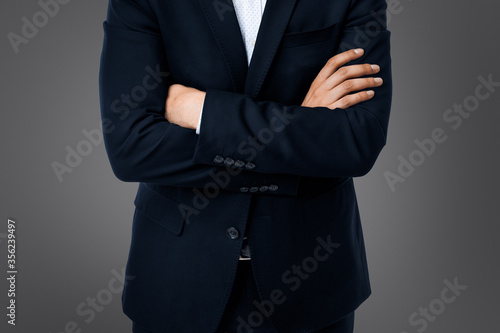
345 101
347 85
357 98
332 61
342 71
368 82
316 95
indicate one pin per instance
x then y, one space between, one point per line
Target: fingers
350 72
353 85
337 61
337 85
353 99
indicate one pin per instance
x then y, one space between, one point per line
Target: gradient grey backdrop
441 223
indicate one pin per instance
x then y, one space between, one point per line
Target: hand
335 83
183 105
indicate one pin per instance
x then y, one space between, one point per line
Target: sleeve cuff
199 120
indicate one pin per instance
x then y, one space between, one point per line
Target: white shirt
249 15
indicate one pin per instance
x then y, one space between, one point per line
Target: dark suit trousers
242 316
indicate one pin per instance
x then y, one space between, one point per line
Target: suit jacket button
250 165
218 159
244 189
254 189
273 187
233 233
228 161
264 188
239 164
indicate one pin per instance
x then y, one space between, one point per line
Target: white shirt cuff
199 120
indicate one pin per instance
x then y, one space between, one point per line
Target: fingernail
370 92
375 67
378 80
358 51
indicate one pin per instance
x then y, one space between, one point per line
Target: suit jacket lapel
273 24
221 17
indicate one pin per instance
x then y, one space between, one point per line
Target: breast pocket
317 36
159 209
300 57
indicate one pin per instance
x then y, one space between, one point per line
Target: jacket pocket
294 39
332 206
325 191
160 209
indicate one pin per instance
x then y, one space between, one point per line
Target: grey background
441 223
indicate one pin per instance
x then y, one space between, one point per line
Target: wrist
197 99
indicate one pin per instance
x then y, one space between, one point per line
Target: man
244 123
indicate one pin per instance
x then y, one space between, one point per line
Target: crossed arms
336 86
337 131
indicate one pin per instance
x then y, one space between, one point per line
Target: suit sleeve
304 141
142 146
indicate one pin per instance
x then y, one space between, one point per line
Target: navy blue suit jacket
262 165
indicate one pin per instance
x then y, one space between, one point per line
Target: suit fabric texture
262 166
244 315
